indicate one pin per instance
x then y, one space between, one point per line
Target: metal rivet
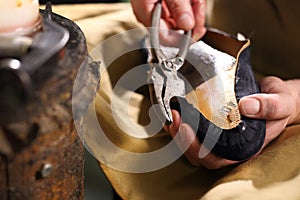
46 170
242 126
180 60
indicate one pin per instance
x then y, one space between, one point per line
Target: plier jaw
163 79
164 85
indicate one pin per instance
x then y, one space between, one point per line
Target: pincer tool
163 75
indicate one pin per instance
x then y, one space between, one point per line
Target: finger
272 84
273 129
166 128
181 11
275 85
174 127
185 139
277 104
167 36
199 7
167 16
143 10
210 161
267 106
189 144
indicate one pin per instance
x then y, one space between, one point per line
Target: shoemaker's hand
279 104
176 14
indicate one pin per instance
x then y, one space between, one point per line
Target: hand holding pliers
163 76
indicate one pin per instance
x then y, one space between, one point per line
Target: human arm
279 104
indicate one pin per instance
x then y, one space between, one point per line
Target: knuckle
176 4
200 3
269 109
270 84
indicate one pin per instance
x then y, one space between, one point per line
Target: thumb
182 12
266 106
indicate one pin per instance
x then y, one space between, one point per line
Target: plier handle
163 77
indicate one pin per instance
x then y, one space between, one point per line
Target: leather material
244 140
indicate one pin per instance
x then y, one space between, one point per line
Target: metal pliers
163 78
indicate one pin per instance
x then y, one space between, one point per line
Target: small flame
19 3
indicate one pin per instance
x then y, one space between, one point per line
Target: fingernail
250 106
182 133
185 21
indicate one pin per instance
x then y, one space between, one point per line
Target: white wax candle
17 15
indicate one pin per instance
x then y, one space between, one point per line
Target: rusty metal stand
41 155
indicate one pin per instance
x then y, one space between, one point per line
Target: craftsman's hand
176 14
279 104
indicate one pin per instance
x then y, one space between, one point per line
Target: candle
19 17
